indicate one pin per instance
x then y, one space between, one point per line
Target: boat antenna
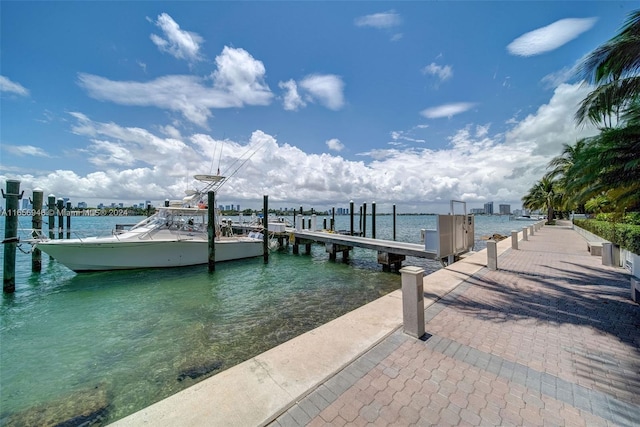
220 157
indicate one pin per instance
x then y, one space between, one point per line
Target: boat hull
100 255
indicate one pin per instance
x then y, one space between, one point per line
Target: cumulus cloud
477 165
447 110
291 100
7 85
238 81
326 89
442 72
382 20
334 144
551 37
176 42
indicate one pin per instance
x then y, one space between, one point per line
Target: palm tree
613 67
543 195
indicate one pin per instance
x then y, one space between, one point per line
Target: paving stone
548 338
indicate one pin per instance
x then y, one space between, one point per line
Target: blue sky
406 103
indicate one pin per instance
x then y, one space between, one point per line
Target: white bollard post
413 301
531 230
299 220
314 222
492 255
514 239
524 234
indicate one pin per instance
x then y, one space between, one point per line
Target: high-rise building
488 208
505 209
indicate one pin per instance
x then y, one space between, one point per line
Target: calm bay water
130 338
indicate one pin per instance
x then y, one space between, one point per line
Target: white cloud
7 85
551 37
477 166
334 144
442 72
238 81
292 100
447 110
327 89
178 43
382 20
25 150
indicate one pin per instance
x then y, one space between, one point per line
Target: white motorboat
174 236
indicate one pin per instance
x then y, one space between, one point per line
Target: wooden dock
389 252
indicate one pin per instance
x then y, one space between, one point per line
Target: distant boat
174 236
528 218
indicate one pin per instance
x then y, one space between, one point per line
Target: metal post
10 235
211 229
36 225
413 301
265 225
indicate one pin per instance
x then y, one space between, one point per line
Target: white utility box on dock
454 234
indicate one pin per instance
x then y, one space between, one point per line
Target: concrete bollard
524 234
314 222
492 255
635 289
299 220
514 239
531 230
413 301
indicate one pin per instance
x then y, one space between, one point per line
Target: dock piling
211 229
10 241
373 220
60 206
364 220
68 220
394 223
36 225
265 237
351 214
51 210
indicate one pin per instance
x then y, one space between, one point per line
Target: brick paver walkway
551 338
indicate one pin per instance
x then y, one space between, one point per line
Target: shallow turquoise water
132 334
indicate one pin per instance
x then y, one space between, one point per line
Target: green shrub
625 235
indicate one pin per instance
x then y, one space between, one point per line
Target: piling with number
36 225
10 235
